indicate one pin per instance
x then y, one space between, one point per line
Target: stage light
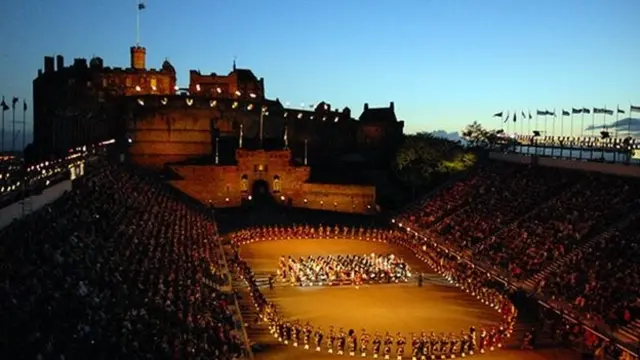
227 199
189 101
250 107
252 95
213 103
238 93
164 101
393 220
282 197
235 104
336 119
218 90
138 88
300 116
176 88
286 114
197 87
305 201
250 197
141 102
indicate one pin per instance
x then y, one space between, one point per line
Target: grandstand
122 266
569 236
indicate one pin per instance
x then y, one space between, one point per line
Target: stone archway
261 193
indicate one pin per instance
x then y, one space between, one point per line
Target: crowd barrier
485 296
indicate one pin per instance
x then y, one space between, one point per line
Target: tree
475 135
423 158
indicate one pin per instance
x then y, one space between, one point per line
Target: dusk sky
445 63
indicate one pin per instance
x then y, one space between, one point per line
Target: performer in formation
422 347
343 269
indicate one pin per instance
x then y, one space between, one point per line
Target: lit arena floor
405 308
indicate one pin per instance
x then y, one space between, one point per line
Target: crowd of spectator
521 219
116 268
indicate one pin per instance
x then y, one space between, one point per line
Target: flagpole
561 142
138 24
553 133
24 128
615 135
593 129
3 111
529 134
605 128
13 126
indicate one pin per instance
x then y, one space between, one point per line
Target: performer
426 346
464 342
415 347
388 341
364 342
492 339
377 343
308 330
400 343
288 333
332 340
482 341
342 341
318 336
445 347
436 344
473 345
297 329
353 342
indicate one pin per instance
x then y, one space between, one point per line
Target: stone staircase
531 283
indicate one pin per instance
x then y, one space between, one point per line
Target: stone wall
229 186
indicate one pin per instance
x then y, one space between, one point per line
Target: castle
218 118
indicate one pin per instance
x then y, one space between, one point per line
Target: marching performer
308 330
482 341
331 340
353 342
426 346
377 343
473 345
342 341
364 343
436 344
297 329
464 342
388 342
415 347
318 337
445 347
400 343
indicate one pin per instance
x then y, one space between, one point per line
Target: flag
529 115
633 108
141 6
514 117
565 113
551 113
4 105
586 111
523 115
498 114
14 102
598 111
620 111
576 111
24 105
541 112
607 111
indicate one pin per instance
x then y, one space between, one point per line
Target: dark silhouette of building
156 123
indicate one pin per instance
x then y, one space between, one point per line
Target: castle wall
342 198
229 186
169 135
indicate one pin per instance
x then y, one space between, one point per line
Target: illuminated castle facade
157 123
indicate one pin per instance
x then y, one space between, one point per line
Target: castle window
129 82
244 183
276 184
105 83
154 83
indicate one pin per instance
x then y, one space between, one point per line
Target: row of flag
14 101
574 111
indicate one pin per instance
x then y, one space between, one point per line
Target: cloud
622 126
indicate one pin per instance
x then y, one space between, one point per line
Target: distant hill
453 136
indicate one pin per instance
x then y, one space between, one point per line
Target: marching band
343 269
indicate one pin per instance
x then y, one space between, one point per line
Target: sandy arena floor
405 308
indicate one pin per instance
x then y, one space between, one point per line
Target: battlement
57 65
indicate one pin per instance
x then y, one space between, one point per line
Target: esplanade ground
437 306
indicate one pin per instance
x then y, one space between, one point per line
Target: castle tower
138 57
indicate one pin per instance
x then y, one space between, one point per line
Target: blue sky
445 63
